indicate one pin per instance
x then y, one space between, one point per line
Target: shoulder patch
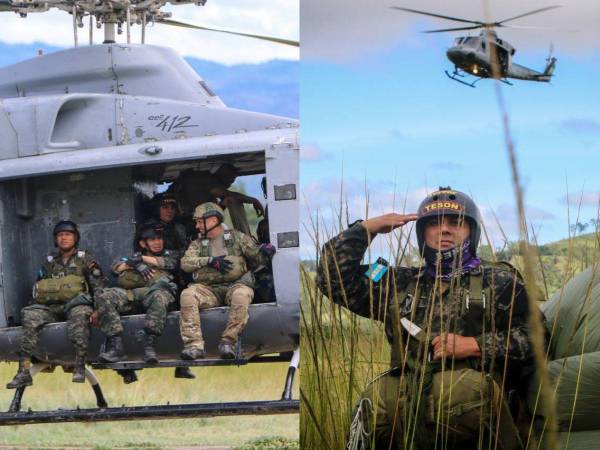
166 252
80 254
49 258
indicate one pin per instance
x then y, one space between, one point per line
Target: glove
267 249
94 269
220 263
144 270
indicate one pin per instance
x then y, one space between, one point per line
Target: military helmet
208 209
66 225
167 199
149 230
448 202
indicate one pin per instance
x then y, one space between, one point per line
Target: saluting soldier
456 326
67 280
146 284
221 261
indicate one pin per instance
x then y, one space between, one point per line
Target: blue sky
387 114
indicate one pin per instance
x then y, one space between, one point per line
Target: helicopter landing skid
152 412
15 404
454 76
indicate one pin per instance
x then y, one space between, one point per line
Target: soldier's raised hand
387 222
220 263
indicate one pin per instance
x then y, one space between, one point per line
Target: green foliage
273 443
156 387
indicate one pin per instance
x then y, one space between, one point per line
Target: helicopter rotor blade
439 16
525 27
176 23
547 8
444 30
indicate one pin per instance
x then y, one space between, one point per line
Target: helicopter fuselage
475 55
80 128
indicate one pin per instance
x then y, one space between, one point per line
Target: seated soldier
66 282
174 232
221 261
145 283
193 188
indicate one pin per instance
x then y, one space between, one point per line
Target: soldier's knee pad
187 298
241 295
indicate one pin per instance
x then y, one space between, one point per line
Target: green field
156 386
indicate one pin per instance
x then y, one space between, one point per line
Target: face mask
449 261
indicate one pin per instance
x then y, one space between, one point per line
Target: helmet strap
208 230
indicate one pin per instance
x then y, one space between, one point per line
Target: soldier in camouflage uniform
145 281
66 282
221 261
175 238
174 233
456 326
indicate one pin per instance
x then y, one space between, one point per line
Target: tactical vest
60 287
476 309
208 275
131 278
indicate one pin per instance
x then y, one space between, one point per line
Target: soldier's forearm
189 264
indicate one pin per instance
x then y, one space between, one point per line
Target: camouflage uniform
210 288
495 316
154 297
76 311
174 236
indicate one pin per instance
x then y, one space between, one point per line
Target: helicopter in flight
84 132
487 55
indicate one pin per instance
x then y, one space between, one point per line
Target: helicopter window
471 41
483 45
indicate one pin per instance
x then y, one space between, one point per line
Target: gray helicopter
486 55
92 132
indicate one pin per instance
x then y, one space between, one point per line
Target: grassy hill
557 262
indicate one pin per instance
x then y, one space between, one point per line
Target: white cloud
278 18
351 30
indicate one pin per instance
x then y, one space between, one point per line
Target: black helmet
66 225
167 199
448 202
149 230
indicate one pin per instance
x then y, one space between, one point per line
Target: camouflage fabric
80 263
174 236
200 250
433 307
341 277
153 299
34 317
199 296
453 411
113 302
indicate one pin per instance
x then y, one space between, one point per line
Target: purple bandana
449 259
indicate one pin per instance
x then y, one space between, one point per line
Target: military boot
23 377
79 370
192 353
113 352
149 349
227 350
184 372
